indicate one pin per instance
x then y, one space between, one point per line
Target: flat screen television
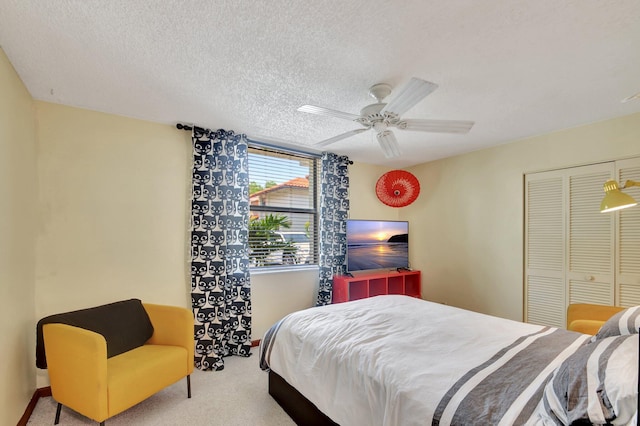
377 244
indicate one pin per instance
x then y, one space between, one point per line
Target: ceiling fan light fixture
389 144
380 126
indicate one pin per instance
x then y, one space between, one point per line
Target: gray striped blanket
508 387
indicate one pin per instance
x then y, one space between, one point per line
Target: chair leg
101 423
188 385
58 414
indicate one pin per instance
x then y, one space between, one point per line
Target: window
283 208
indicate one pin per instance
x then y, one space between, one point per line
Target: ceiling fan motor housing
372 110
370 117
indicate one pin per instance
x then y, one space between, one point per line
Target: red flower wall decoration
397 188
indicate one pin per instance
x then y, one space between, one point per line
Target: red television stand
346 288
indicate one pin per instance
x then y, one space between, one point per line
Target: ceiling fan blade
340 137
312 109
436 126
412 93
389 144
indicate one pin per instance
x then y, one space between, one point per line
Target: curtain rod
181 126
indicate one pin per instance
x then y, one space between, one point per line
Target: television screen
377 244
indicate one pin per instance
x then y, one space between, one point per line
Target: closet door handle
589 278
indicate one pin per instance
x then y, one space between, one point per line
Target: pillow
597 384
623 323
125 325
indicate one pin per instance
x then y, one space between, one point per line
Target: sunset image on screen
373 244
373 231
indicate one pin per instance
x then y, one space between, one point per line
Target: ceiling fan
382 116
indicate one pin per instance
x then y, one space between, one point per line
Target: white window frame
314 175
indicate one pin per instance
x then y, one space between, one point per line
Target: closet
574 253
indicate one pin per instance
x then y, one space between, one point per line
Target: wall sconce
614 199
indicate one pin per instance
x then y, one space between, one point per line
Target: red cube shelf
346 288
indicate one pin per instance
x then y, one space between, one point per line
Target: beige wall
467 225
114 217
364 203
275 295
114 200
18 224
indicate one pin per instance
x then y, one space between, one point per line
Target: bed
397 360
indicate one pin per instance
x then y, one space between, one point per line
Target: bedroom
75 250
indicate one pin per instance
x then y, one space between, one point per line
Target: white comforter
390 360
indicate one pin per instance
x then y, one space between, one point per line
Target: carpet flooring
236 395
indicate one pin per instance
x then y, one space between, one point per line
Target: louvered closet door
590 242
628 234
544 248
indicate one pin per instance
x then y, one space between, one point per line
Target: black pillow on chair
125 325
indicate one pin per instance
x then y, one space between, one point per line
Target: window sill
281 269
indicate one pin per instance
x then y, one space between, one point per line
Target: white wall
18 224
467 225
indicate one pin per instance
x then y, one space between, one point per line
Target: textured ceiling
518 68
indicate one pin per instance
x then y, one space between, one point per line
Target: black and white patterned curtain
334 211
220 284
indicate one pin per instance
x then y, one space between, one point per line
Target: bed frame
299 408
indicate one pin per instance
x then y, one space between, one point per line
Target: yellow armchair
588 318
84 379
